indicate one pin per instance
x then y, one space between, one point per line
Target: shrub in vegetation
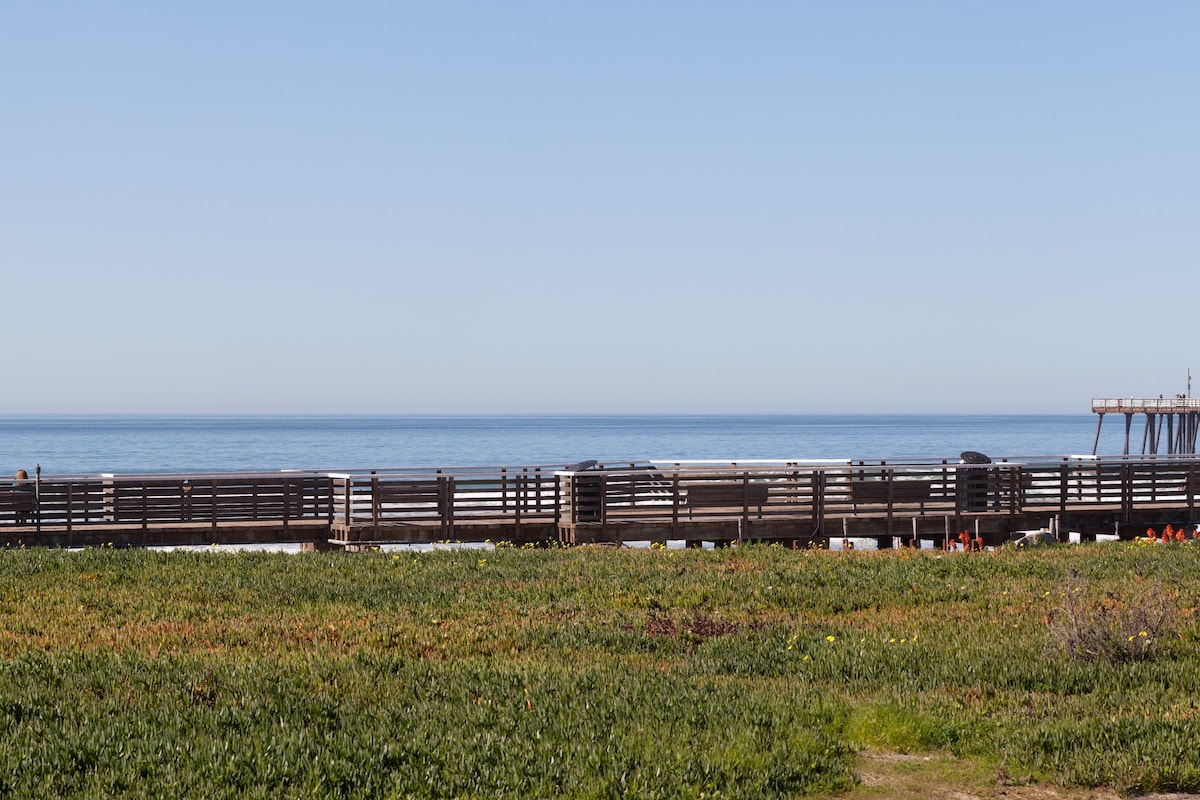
1115 627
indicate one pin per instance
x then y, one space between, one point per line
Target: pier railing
1137 405
461 503
690 495
73 502
444 499
861 489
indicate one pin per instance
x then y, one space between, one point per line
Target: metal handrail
1134 404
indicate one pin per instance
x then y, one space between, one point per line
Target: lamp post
37 503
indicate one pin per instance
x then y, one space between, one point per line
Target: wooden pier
1179 415
799 504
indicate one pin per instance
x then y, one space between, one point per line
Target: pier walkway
1179 415
797 503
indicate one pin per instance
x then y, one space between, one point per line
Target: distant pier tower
1179 415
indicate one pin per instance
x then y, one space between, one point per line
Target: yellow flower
830 638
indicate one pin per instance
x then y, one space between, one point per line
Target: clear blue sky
597 207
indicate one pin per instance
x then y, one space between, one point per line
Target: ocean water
137 444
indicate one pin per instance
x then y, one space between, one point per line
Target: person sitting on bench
23 497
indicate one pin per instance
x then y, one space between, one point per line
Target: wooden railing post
537 476
602 498
1015 501
37 504
960 489
819 482
185 500
374 505
1189 486
675 503
1064 486
744 523
519 490
70 529
1126 491
558 493
890 476
441 505
745 495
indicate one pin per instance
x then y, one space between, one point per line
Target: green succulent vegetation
591 672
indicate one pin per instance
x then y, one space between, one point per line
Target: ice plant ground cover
592 672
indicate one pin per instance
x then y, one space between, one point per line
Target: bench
726 495
18 503
410 499
902 491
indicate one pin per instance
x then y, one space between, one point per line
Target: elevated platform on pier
1178 415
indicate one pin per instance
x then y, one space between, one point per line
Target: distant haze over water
128 444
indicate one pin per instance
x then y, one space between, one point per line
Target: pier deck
1179 416
787 502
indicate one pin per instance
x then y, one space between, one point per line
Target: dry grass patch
941 776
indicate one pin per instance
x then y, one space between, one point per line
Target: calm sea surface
130 444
